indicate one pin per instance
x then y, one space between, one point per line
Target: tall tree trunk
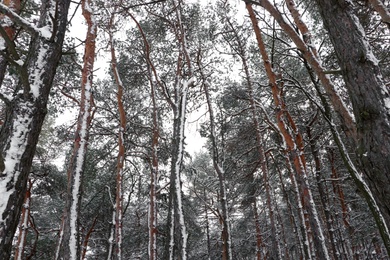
369 96
111 238
177 229
226 234
320 186
276 250
121 146
207 230
294 145
294 223
152 73
177 234
25 113
86 239
69 243
309 53
259 237
241 51
153 180
23 228
338 191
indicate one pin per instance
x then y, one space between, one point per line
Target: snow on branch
30 28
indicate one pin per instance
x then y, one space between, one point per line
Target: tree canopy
104 105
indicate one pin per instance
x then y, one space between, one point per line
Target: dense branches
276 171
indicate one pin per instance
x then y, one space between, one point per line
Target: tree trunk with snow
23 228
226 234
293 220
25 113
153 178
69 241
242 53
121 146
294 144
382 10
275 249
320 186
177 230
310 54
369 96
176 240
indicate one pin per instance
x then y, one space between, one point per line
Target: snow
45 32
171 234
26 24
386 96
89 8
19 62
111 238
2 44
24 227
78 171
367 48
178 164
36 74
13 156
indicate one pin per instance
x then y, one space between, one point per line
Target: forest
194 129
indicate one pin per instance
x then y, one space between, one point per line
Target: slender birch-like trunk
69 244
276 250
259 237
26 110
176 222
226 234
176 235
121 145
153 179
111 238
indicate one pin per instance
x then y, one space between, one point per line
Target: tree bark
121 145
241 51
23 228
293 142
369 96
226 234
153 179
320 186
310 54
24 118
69 242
